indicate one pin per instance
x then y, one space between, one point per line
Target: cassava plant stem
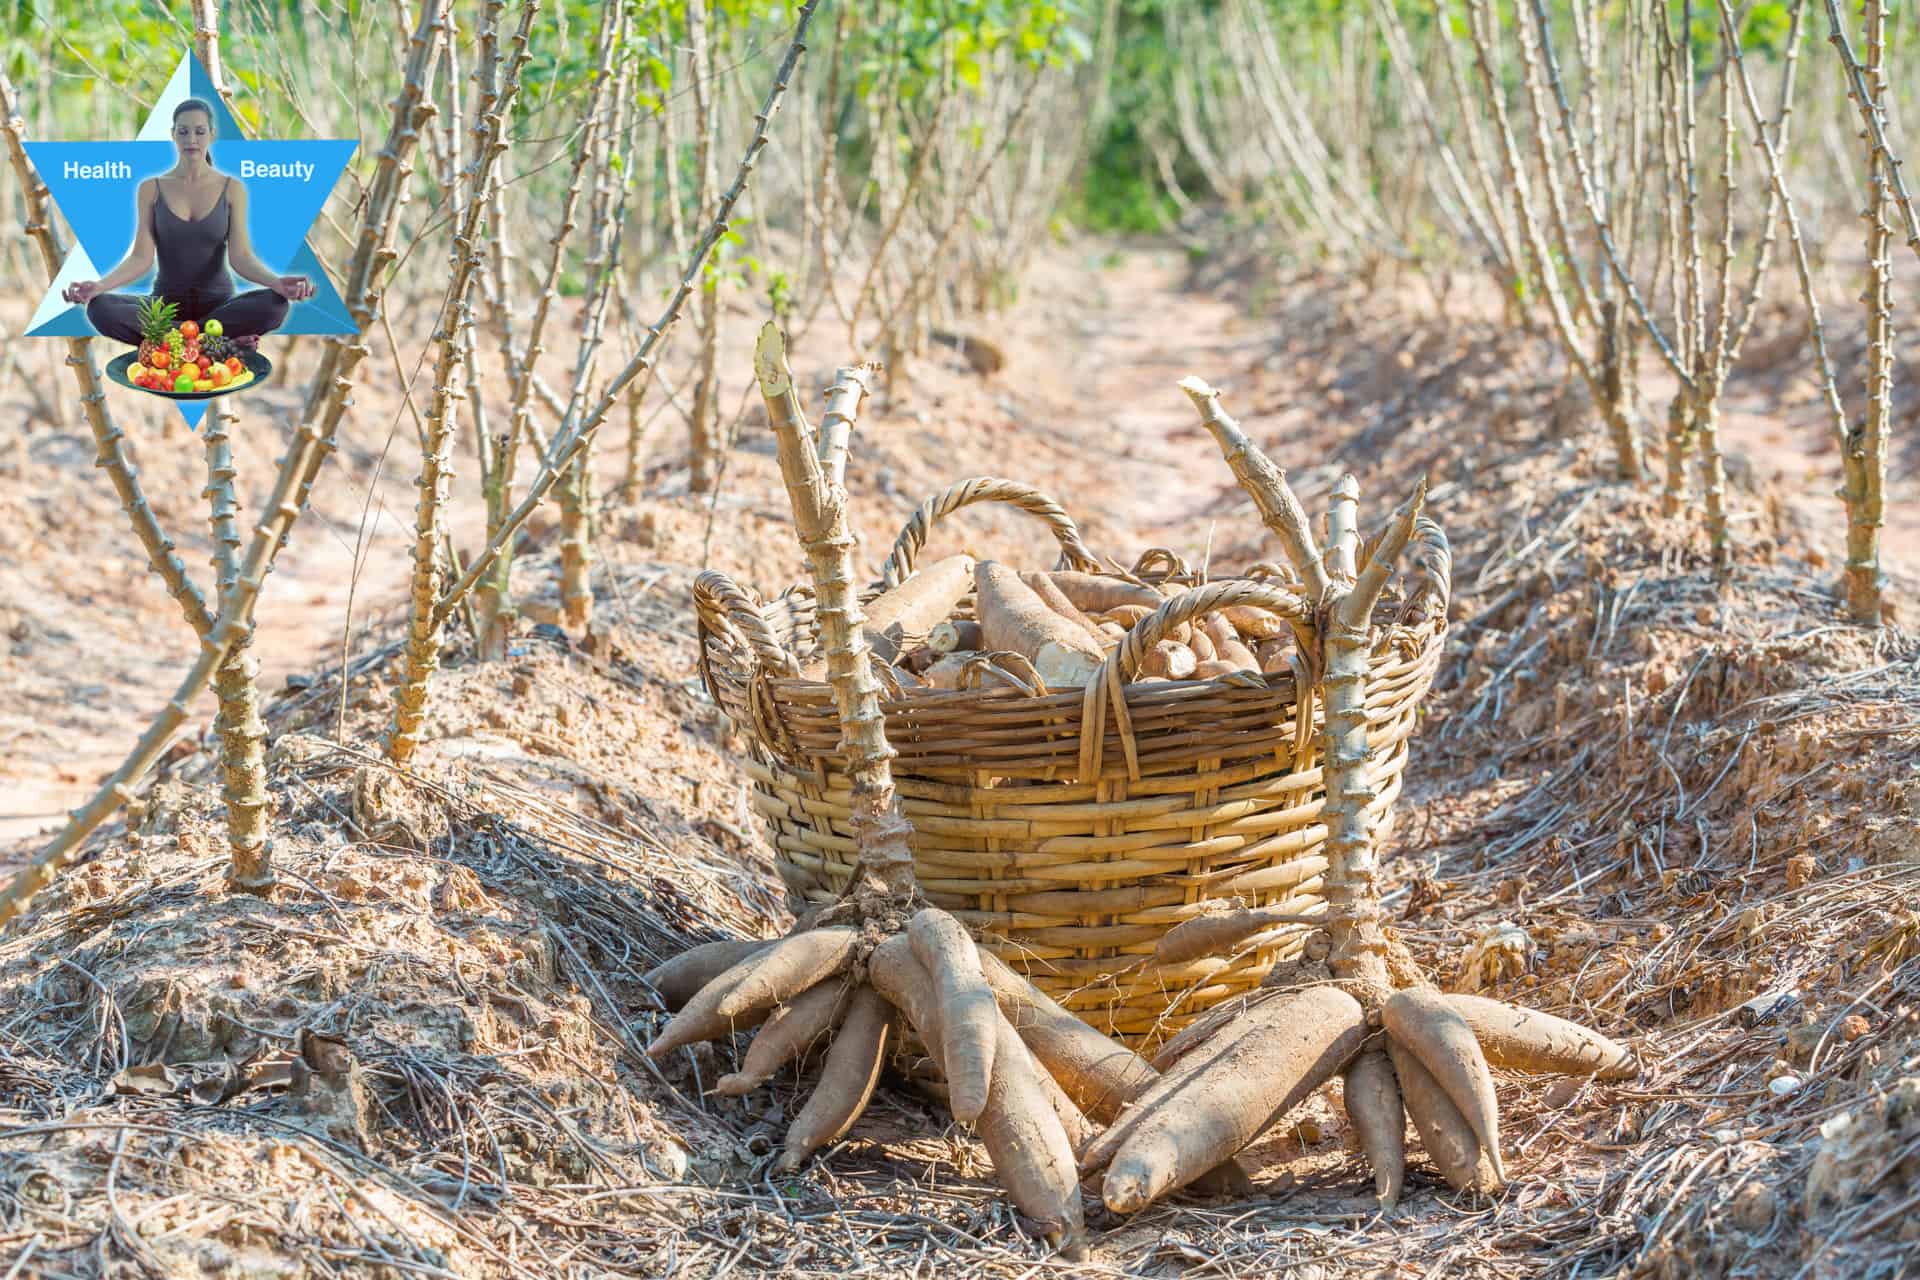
1359 946
607 215
703 460
820 518
243 764
243 757
424 624
1267 485
497 485
1864 86
1864 457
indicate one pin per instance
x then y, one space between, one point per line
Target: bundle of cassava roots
1039 1084
1064 624
1054 1100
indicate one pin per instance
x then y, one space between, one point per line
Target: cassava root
1013 617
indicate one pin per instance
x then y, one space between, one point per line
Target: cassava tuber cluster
1429 1063
1402 1048
1064 624
818 986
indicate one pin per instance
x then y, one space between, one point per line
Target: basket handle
723 605
907 547
1428 577
1162 559
1109 683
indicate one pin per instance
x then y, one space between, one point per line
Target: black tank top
192 252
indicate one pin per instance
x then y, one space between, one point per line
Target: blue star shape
95 184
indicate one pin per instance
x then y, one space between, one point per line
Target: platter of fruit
185 361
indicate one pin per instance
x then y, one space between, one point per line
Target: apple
214 329
189 331
162 358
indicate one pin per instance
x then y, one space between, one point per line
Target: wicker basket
1070 853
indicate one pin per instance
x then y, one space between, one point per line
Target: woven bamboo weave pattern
1070 855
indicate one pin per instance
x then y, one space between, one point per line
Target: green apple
213 328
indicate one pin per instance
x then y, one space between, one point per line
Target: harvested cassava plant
1230 1080
994 1037
916 960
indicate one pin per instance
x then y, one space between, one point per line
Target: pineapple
156 321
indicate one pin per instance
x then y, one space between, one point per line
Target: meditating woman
194 219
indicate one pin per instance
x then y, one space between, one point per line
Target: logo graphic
96 187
